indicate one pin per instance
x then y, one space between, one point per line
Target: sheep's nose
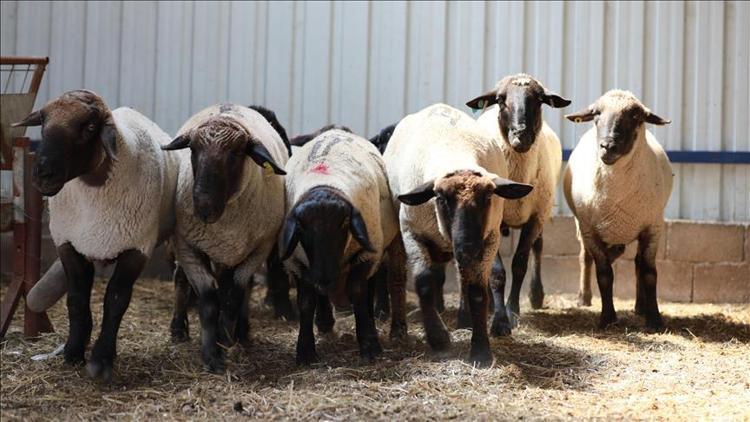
518 130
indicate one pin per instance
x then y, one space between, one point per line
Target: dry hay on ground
556 366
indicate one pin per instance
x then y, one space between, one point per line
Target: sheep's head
520 98
323 221
464 205
218 148
79 137
619 117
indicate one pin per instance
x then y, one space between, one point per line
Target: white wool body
134 209
539 166
351 164
428 145
246 232
617 202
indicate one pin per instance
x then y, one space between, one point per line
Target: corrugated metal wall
367 64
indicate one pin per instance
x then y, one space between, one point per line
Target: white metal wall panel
366 64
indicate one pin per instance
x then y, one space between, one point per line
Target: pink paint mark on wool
320 168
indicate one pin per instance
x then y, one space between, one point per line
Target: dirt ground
556 366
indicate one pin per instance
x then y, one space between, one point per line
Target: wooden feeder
20 78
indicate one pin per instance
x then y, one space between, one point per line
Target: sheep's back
126 212
351 164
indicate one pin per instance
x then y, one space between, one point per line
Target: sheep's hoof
536 297
398 331
180 336
74 357
382 312
500 326
99 369
215 366
284 310
607 320
439 339
654 324
584 300
464 319
370 350
307 357
481 356
513 318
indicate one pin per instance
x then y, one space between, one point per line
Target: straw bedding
556 366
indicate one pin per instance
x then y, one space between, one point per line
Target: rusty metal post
34 323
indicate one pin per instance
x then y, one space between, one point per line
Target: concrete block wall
697 261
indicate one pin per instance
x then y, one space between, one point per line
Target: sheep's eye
91 128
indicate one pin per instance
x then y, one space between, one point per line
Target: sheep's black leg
396 284
500 322
604 278
183 292
367 335
306 302
242 330
116 301
79 273
529 233
647 245
536 290
278 288
477 297
425 282
209 309
640 299
231 296
380 285
584 291
439 294
324 314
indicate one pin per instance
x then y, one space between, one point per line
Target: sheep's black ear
179 142
656 120
585 115
510 189
419 195
262 157
109 140
483 101
359 230
290 236
554 100
301 140
33 119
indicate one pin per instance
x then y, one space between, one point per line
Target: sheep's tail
381 139
270 116
301 140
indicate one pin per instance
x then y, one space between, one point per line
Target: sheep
533 153
277 280
111 192
302 140
339 223
381 139
442 153
617 182
229 211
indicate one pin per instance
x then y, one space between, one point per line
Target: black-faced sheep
111 192
533 153
229 212
339 224
441 153
617 183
